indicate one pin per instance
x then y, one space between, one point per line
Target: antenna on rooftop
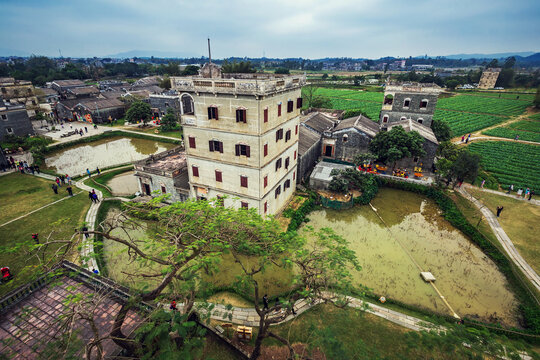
209 53
60 53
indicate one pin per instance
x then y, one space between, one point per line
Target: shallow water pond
416 232
103 153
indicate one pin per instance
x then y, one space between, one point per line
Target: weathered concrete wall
350 142
398 110
15 122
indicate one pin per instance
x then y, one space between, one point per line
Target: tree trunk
260 337
284 341
118 336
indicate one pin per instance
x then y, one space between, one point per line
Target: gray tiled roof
319 122
361 123
306 139
411 125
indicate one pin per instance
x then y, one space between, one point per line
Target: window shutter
243 181
215 113
247 151
299 103
279 110
265 147
237 149
266 115
296 130
277 136
220 147
294 154
266 181
294 175
287 160
265 206
237 115
211 145
218 176
192 142
195 170
244 204
290 106
209 113
288 135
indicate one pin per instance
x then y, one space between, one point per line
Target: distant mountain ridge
489 56
150 53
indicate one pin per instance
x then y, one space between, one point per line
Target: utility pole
209 53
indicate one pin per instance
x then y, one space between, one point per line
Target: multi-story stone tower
415 101
241 136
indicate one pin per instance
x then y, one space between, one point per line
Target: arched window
406 103
187 104
423 104
388 99
403 118
345 138
420 120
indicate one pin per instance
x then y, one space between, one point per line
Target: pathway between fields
505 241
249 316
493 138
500 193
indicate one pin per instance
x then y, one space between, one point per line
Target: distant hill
490 56
150 53
13 52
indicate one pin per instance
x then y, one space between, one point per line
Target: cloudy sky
275 28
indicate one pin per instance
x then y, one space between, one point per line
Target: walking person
84 229
173 305
95 197
36 168
58 182
482 185
98 171
68 179
516 138
69 190
265 302
88 172
519 192
499 209
35 237
54 188
63 179
531 194
85 129
510 189
463 138
90 196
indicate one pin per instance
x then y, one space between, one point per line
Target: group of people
93 196
527 194
62 180
466 140
21 166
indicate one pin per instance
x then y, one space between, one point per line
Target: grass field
510 162
529 132
61 218
519 219
155 130
20 194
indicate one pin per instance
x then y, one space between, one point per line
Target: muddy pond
103 153
416 232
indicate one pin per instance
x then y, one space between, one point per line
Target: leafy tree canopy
237 67
169 121
139 111
397 144
441 130
282 71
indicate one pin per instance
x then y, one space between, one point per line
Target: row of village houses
75 100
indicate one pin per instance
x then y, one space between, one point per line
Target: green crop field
484 105
535 116
463 123
504 95
527 130
510 162
464 113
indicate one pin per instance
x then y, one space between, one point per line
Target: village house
82 92
99 110
160 104
164 173
241 133
19 92
62 86
14 120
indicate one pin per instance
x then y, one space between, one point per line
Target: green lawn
20 194
97 181
59 219
519 219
